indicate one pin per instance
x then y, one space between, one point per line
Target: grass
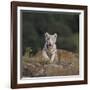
37 66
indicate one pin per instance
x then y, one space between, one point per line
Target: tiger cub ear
55 35
46 34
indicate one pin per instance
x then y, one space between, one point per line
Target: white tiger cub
50 51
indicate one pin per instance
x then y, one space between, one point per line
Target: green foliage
28 52
69 43
35 24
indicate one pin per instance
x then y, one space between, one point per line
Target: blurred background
34 25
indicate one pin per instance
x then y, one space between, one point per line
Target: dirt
36 66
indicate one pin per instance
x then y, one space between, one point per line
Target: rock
33 69
53 69
36 66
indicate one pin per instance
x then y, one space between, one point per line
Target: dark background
34 24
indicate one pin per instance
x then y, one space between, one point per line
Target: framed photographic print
48 44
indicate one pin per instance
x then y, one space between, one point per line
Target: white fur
49 50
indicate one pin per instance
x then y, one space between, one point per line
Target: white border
81 49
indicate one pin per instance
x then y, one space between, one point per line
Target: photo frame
31 25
